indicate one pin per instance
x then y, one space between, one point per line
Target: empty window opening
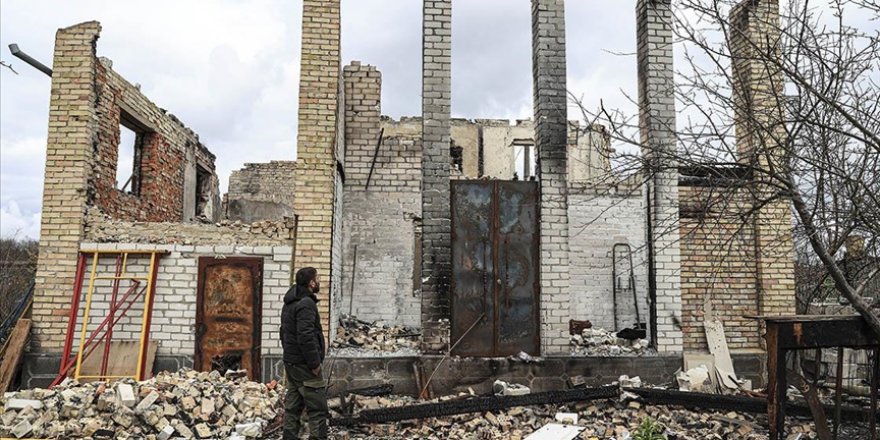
133 135
203 191
524 161
456 155
125 159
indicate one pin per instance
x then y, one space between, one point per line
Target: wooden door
229 313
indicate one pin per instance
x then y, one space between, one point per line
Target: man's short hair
305 275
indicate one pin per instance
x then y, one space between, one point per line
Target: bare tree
18 263
807 135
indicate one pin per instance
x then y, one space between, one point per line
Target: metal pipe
30 60
838 388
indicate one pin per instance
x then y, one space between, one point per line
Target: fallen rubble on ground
186 404
601 342
614 419
378 336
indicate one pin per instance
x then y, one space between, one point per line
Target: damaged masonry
472 266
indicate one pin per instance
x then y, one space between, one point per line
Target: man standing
303 342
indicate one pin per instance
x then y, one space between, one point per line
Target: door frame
256 264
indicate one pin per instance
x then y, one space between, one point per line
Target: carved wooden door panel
228 314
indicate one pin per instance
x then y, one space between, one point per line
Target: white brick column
551 140
657 123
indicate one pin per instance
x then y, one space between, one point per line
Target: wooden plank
121 362
12 357
718 347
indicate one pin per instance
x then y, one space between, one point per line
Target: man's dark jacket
301 335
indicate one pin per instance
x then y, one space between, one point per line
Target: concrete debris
696 379
611 419
555 431
502 388
186 404
523 357
375 336
601 342
23 403
566 418
628 382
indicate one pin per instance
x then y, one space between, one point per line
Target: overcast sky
230 70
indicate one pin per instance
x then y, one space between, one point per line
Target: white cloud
17 224
229 69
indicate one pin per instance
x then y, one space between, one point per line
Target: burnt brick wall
436 135
379 220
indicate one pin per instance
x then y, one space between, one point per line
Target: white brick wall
598 220
174 307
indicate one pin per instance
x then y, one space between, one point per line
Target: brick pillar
657 125
73 134
316 142
363 88
760 138
551 139
436 236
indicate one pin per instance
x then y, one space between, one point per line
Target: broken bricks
601 342
185 404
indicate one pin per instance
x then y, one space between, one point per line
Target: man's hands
316 371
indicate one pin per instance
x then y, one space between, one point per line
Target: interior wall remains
601 216
261 191
380 218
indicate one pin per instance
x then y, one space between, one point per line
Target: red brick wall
161 170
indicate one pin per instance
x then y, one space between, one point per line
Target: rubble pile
102 228
186 404
375 336
601 342
605 420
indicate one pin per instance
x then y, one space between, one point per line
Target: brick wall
73 131
167 150
261 191
718 269
88 103
174 309
657 124
316 142
601 216
760 134
551 140
379 221
436 102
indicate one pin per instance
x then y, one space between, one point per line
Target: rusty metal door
495 240
228 314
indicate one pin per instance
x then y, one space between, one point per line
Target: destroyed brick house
495 233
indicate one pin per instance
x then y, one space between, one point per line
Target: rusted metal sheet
495 267
517 246
229 313
473 270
